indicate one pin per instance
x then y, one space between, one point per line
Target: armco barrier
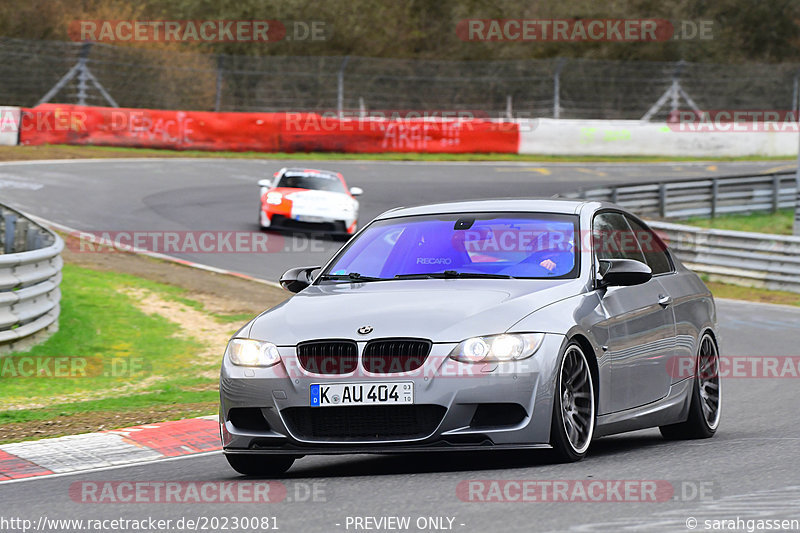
751 259
30 274
705 197
263 132
9 125
640 138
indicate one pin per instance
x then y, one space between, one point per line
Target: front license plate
343 394
305 218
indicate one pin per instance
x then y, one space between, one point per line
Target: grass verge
24 153
126 353
780 223
752 294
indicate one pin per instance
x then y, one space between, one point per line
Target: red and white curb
117 447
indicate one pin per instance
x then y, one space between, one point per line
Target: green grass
119 357
11 153
751 294
780 223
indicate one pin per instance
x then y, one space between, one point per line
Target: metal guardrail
30 274
743 258
706 197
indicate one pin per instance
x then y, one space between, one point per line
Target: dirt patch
193 324
101 420
219 293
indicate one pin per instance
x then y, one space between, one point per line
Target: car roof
533 205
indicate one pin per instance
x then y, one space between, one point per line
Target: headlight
274 198
497 348
249 352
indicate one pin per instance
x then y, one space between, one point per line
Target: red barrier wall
261 132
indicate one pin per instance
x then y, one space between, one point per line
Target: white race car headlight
274 198
249 352
497 348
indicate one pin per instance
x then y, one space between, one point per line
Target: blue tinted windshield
504 244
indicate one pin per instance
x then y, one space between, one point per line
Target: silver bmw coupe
493 324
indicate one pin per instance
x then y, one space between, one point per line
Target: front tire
260 465
574 411
704 410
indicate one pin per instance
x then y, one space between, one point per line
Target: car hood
313 195
448 310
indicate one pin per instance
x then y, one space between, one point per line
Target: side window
613 238
653 248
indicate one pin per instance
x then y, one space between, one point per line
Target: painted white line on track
112 467
156 255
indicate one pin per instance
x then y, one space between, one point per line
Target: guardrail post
10 226
614 194
662 200
776 192
714 193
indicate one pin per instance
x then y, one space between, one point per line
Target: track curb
115 447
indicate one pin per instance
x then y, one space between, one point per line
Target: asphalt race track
747 471
221 195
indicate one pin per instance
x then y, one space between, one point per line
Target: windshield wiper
453 274
351 276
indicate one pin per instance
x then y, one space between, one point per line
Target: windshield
519 245
322 182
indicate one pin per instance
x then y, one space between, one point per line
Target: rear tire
260 465
574 412
704 410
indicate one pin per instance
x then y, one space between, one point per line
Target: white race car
308 200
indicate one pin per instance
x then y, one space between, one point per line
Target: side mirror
623 272
265 183
356 191
297 279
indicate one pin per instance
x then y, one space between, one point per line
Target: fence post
557 88
340 88
218 97
662 200
82 72
714 193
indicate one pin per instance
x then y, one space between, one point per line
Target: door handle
664 300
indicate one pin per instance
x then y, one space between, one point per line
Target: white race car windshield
321 182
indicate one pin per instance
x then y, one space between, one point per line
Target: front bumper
457 406
310 221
